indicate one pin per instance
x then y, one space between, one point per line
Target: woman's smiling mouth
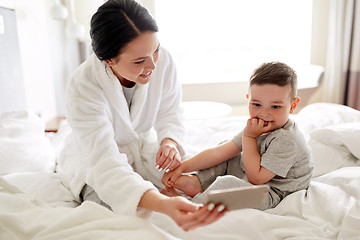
145 75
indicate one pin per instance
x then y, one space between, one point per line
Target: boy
270 150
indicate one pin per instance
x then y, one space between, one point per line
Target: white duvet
24 217
330 209
42 207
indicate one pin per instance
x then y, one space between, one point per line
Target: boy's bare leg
189 184
170 192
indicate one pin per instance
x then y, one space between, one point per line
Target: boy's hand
256 127
169 178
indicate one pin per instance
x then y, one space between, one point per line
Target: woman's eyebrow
139 58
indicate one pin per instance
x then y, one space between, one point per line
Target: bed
35 202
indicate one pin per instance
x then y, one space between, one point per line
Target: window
223 41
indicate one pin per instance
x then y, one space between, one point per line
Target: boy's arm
255 173
210 157
205 159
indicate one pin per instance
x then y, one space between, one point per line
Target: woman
115 100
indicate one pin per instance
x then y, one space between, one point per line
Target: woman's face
137 59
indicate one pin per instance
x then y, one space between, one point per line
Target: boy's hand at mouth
256 127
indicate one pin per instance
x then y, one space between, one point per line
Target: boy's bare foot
170 192
189 184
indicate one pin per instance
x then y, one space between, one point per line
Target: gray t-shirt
285 153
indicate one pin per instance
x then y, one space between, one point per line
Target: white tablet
238 198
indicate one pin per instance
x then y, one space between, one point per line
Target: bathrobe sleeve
104 168
170 117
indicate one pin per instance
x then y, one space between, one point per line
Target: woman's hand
189 216
186 214
168 156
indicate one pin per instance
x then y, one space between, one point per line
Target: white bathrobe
112 148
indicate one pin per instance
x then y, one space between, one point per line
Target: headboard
12 89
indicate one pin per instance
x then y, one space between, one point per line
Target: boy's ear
247 96
294 104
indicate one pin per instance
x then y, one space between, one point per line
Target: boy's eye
276 107
256 104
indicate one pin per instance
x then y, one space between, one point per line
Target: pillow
320 115
344 136
335 147
23 144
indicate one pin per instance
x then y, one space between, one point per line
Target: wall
233 93
319 43
11 77
48 57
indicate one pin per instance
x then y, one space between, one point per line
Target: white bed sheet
39 205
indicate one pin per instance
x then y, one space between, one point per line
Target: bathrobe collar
116 98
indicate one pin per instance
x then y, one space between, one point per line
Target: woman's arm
169 123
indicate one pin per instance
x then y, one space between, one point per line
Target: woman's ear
294 104
110 62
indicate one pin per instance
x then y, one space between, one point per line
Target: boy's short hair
277 73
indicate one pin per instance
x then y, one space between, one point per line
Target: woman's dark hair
276 73
116 23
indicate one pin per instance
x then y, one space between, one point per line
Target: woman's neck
124 82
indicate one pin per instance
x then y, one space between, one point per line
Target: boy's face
271 103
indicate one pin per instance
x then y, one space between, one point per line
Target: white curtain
343 52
